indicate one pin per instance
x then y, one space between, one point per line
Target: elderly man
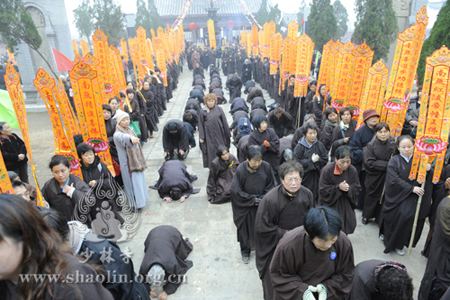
314 259
175 140
282 209
164 265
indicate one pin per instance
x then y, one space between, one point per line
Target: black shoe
365 221
245 259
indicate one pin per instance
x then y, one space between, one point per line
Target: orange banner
124 51
144 61
275 52
5 182
75 47
84 47
344 63
101 52
12 81
254 37
334 51
305 49
324 76
87 89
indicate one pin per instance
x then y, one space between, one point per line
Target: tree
275 15
341 19
110 19
438 37
322 23
262 16
376 24
154 15
16 26
143 17
83 20
301 14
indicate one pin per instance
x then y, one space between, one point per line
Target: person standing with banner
14 152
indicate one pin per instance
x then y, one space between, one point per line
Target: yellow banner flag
305 49
324 75
75 47
344 63
123 45
101 52
211 34
84 47
5 182
275 52
255 44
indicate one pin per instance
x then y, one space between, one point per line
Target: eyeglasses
296 180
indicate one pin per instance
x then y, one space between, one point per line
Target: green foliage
83 15
341 18
275 15
301 14
143 17
439 37
154 15
16 25
110 19
376 24
322 23
262 14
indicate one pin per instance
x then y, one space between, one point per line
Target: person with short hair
20 190
220 176
339 188
343 131
292 102
311 153
165 261
175 140
281 121
253 179
314 261
379 279
32 191
213 130
312 86
14 152
282 209
331 121
298 134
174 182
318 103
234 85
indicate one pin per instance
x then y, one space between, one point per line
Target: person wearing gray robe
134 182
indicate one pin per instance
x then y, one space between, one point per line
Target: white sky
129 6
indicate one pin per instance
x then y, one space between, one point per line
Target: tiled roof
170 8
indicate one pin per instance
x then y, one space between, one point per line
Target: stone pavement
218 271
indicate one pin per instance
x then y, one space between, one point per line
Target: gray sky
129 6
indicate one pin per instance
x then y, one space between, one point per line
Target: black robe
110 126
327 133
277 213
246 72
219 180
246 187
236 116
242 148
194 120
303 153
137 114
282 126
238 104
151 114
220 96
192 103
309 103
248 85
213 129
291 103
297 264
343 202
258 102
399 206
317 108
254 92
256 113
376 157
199 71
337 138
174 174
235 87
298 134
166 246
270 154
178 140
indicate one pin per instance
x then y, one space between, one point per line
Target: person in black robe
253 93
165 260
252 180
310 97
151 115
276 86
157 82
220 95
281 121
175 140
318 103
258 112
231 64
331 122
198 94
241 148
401 196
379 279
298 134
236 116
14 152
238 104
377 154
436 279
343 131
110 126
258 102
221 175
314 259
198 71
174 181
136 114
286 153
339 188
292 102
268 140
282 209
358 142
191 116
193 103
234 85
213 130
190 132
246 72
248 85
311 153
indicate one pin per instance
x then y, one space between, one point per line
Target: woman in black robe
344 131
213 130
231 64
110 126
151 115
252 180
339 188
234 85
311 153
401 196
331 122
318 103
268 140
292 102
377 154
310 97
160 95
220 176
253 93
136 115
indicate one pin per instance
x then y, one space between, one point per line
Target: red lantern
230 24
193 26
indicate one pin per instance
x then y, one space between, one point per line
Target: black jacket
11 148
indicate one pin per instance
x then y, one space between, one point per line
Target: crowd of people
301 169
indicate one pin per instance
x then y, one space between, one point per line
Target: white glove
322 291
315 158
308 294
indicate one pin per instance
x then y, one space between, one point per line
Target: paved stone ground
218 271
